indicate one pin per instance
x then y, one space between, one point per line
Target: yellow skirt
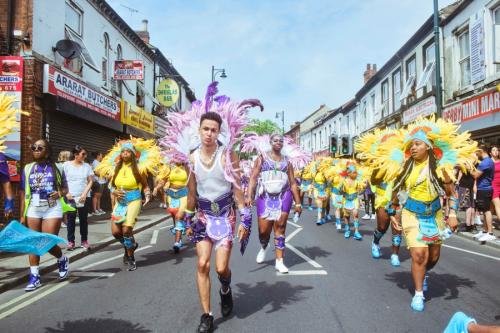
410 224
133 210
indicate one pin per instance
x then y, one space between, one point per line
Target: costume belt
422 208
335 191
320 187
131 196
305 182
350 197
220 206
177 193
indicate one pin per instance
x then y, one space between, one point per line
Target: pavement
333 286
14 267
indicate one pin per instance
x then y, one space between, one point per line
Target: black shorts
466 198
98 188
483 200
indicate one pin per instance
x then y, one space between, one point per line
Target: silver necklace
210 161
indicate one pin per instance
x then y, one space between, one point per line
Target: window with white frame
73 17
330 130
385 98
464 58
118 84
396 90
496 36
369 118
411 77
105 62
320 140
87 58
354 121
428 79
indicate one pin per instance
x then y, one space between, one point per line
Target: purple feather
211 92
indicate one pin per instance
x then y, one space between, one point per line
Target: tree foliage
262 127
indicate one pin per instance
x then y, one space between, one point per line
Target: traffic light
333 144
344 145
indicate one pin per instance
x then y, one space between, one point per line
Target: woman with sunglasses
80 177
41 189
277 190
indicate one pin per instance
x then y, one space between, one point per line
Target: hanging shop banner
477 56
421 109
167 92
136 116
475 107
11 83
57 83
129 70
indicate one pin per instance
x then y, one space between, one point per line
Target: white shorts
45 212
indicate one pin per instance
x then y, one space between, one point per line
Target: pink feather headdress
262 144
182 131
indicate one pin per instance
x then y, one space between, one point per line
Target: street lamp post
216 71
438 60
282 116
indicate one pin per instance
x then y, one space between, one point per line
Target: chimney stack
370 71
144 33
144 25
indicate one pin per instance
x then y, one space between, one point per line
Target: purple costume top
4 169
274 194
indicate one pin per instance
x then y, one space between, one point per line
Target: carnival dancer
320 189
306 187
420 161
351 187
246 170
174 180
212 128
366 149
275 167
335 179
8 195
128 164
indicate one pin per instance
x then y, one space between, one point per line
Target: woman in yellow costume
351 186
366 149
334 178
127 165
174 179
321 192
420 161
306 185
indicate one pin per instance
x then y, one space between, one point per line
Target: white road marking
312 272
303 256
294 224
92 274
165 227
154 237
472 252
112 258
33 299
295 232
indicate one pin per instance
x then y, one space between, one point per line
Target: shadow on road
314 252
97 325
439 284
162 256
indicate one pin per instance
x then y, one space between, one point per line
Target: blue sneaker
347 231
320 222
338 225
63 267
395 260
177 246
375 250
357 235
329 218
417 303
310 208
425 286
458 323
33 283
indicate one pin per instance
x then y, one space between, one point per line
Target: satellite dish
68 49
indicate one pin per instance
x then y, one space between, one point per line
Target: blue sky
293 55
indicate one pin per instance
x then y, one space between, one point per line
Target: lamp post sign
167 92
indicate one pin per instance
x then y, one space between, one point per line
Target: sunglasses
37 148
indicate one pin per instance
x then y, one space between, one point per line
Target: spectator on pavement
8 195
465 182
495 156
64 156
369 201
41 209
98 186
484 178
80 177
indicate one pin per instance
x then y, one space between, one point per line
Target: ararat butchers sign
475 107
63 85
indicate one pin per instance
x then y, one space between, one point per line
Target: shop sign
167 92
11 83
65 86
477 60
129 70
421 109
472 108
136 116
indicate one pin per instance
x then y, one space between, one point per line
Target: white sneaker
261 256
479 235
373 216
366 217
487 237
90 215
280 266
338 226
477 220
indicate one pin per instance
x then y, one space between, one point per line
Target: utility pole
437 61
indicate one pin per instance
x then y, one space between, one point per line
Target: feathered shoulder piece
262 144
450 148
164 170
146 152
9 121
183 129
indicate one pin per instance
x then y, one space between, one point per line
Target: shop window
396 90
73 18
464 58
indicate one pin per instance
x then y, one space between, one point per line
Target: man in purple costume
274 199
7 190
